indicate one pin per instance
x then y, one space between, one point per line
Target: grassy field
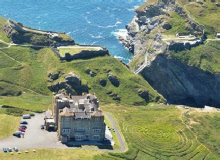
76 49
8 125
51 154
158 132
151 132
28 101
205 57
207 126
208 16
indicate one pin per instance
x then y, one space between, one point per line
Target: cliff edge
172 52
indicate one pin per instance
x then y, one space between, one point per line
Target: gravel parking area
35 137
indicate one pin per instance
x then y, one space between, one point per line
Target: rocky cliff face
177 82
182 84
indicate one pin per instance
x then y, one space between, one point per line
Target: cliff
169 52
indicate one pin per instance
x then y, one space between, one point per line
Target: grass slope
27 68
207 127
129 86
8 125
205 57
207 15
178 25
157 132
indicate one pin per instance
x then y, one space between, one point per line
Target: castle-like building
77 118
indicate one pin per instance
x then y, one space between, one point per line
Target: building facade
77 118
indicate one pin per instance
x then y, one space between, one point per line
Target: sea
93 22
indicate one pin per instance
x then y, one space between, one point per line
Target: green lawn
28 101
76 49
52 154
205 57
8 125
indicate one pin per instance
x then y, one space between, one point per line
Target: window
79 137
96 137
66 131
66 119
97 119
96 130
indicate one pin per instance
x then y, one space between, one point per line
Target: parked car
21 129
17 134
24 122
5 150
42 126
15 149
9 149
27 116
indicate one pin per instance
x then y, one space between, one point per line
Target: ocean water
94 22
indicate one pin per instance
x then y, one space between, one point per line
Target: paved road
36 138
120 139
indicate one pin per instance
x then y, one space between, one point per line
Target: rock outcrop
72 85
114 80
20 34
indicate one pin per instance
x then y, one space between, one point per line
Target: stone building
77 118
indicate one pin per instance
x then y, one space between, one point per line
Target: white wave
87 20
98 9
121 33
111 26
69 33
94 43
75 31
132 9
96 37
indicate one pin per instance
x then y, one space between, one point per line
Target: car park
5 150
15 149
24 122
9 149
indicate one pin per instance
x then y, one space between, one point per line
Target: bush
14 111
